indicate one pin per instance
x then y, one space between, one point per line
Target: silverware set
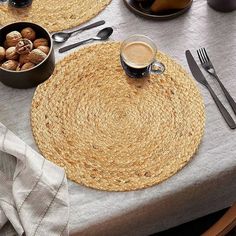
61 37
102 35
209 68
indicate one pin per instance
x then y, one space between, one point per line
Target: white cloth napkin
36 201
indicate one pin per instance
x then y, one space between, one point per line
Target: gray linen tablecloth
207 183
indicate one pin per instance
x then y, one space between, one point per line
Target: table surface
207 183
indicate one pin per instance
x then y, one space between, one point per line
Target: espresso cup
138 57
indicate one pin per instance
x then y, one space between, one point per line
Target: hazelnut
36 56
44 49
24 46
24 58
11 53
28 33
40 42
12 38
2 53
27 66
10 65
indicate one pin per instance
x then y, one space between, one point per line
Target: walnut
40 42
24 58
18 68
27 66
5 45
12 38
28 33
36 56
24 46
2 53
44 49
11 53
10 65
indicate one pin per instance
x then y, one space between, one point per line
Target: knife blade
197 74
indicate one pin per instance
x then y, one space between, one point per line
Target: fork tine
199 56
202 55
206 54
203 52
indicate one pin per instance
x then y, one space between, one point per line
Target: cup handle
157 68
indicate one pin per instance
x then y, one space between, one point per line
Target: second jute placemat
52 14
111 132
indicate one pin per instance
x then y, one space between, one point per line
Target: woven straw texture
52 14
111 132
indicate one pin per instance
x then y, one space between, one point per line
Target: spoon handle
66 48
93 25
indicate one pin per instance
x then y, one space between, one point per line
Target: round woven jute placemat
54 15
111 132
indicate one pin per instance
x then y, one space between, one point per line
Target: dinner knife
197 74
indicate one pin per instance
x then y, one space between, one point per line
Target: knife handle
222 109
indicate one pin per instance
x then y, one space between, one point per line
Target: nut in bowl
26 55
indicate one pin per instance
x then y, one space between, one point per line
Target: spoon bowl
60 37
105 33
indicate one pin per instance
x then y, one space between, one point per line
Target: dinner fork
208 66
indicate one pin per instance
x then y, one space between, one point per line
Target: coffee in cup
138 55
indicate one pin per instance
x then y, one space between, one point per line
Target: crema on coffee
138 54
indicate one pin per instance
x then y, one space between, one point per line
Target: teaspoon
101 35
61 37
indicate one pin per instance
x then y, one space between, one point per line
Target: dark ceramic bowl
140 9
38 74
